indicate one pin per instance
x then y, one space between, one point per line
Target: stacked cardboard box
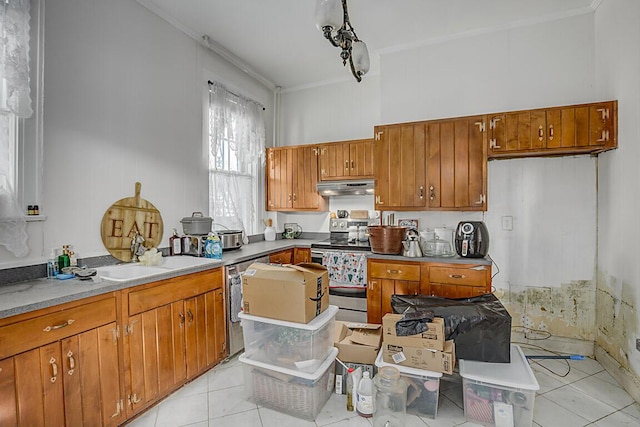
427 350
358 345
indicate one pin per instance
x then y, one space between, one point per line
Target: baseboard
627 379
553 344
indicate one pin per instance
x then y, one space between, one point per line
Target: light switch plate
507 223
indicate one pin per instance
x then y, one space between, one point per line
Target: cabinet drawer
457 276
27 334
395 271
167 291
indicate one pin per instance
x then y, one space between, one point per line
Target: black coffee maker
472 239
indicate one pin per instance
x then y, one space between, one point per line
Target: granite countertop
23 297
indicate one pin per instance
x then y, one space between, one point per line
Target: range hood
346 188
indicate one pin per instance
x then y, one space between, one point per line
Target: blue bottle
213 247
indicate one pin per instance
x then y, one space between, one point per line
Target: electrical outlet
638 344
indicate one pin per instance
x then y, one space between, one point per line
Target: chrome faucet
137 246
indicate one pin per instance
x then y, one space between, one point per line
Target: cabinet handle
540 133
550 132
604 137
118 409
394 271
134 399
378 202
54 369
190 314
352 165
346 164
482 200
481 126
72 362
289 198
493 143
294 197
432 192
604 112
421 192
457 276
181 318
61 325
493 122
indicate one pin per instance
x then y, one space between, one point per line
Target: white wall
124 95
618 76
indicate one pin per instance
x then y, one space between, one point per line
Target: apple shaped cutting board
126 217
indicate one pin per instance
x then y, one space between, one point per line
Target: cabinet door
603 124
361 159
399 166
154 350
301 255
456 164
279 178
205 339
92 378
334 161
374 300
282 257
31 388
305 179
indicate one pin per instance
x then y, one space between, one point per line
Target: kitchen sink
133 271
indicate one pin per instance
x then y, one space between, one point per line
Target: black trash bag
480 326
414 322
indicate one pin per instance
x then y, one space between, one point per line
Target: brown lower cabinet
101 360
61 367
388 277
174 331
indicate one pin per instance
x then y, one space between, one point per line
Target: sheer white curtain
15 102
236 151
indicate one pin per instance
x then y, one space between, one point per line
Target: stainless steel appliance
193 244
233 292
472 239
230 239
344 255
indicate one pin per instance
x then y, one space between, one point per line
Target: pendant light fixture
332 18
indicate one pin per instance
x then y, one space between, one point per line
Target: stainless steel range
344 254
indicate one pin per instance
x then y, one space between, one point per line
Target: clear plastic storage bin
289 391
298 346
499 394
423 388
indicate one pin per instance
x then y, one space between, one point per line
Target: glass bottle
175 244
390 398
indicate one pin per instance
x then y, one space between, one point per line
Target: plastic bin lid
407 369
314 376
315 324
517 374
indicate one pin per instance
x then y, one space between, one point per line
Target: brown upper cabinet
400 167
292 177
568 130
346 160
431 165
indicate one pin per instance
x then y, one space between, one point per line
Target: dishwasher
233 290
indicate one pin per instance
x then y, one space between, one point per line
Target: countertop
23 297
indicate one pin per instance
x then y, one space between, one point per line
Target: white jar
269 234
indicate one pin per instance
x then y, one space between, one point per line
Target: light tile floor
572 393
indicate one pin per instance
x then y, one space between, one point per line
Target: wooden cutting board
126 217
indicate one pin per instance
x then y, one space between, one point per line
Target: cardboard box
357 342
435 329
421 358
295 293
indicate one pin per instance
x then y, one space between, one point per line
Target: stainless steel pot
231 239
196 224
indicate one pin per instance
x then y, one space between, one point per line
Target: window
236 153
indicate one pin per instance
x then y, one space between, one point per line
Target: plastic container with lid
291 345
292 392
423 388
497 394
